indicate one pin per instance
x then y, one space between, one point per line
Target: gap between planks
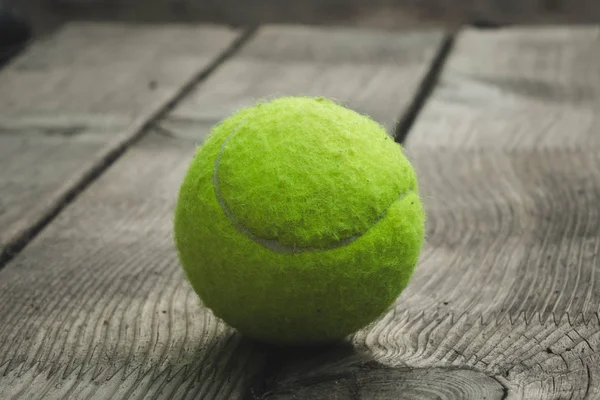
425 89
69 191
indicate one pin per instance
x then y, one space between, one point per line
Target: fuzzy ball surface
299 221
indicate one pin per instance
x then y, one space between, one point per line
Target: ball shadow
286 365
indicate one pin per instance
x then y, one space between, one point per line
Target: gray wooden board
373 72
509 159
70 99
521 89
97 306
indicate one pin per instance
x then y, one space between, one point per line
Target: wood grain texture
515 232
343 372
360 382
508 163
507 156
97 306
72 99
519 89
374 72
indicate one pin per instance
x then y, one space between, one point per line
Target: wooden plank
540 91
520 192
71 100
508 159
373 72
97 306
515 232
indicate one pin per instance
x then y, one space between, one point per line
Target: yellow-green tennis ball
299 221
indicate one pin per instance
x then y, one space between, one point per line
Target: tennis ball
299 221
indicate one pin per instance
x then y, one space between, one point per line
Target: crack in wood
425 90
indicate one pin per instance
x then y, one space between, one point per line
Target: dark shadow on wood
279 360
341 371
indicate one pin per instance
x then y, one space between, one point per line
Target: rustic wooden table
98 124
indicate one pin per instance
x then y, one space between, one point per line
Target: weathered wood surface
508 152
508 157
70 101
532 89
373 72
97 306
